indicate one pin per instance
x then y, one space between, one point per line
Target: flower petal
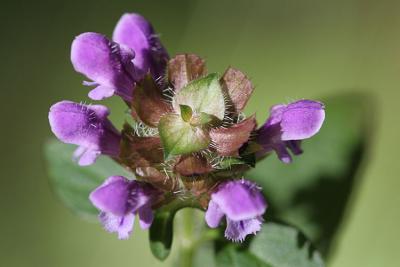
240 199
112 196
302 119
294 146
136 32
122 225
213 215
238 230
86 126
102 61
146 217
283 153
88 157
101 92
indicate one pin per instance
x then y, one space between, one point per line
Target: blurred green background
291 49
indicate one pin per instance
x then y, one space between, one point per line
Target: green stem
187 238
192 234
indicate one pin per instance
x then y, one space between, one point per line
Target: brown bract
193 165
148 103
139 151
200 187
157 178
237 87
184 68
227 141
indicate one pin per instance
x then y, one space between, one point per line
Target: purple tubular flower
86 126
108 64
243 205
119 200
136 32
288 125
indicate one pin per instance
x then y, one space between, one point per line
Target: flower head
188 136
119 200
288 125
86 126
243 205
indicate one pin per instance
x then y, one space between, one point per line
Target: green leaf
284 246
276 245
202 95
313 192
161 233
73 183
179 137
232 257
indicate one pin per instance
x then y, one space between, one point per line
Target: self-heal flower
108 64
243 205
86 126
134 31
119 200
114 67
288 125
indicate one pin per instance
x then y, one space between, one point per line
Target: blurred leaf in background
73 183
314 191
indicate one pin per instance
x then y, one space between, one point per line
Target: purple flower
108 64
243 204
288 125
86 126
136 32
119 200
115 66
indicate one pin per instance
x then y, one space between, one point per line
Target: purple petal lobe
213 215
240 200
88 157
112 196
104 62
238 230
101 92
86 126
294 146
122 225
137 33
282 153
146 217
302 119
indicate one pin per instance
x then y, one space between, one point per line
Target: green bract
199 103
180 137
202 95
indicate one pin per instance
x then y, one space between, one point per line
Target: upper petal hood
136 32
106 63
